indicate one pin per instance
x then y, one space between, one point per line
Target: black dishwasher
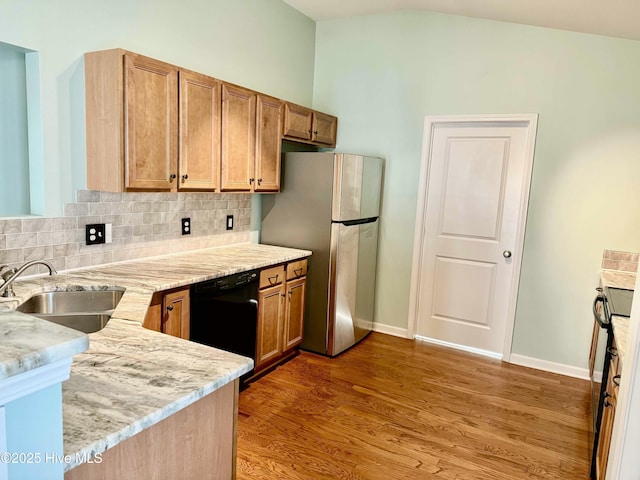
224 313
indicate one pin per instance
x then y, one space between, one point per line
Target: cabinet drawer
272 276
296 269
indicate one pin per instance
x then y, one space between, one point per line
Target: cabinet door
151 124
153 319
199 163
324 128
297 121
294 313
606 427
268 144
269 335
176 313
238 138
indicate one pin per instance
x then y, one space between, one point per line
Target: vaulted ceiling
616 18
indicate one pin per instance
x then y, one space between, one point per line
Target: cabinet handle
170 307
616 380
251 180
607 403
259 181
289 292
282 295
275 279
172 177
612 351
298 272
315 132
184 177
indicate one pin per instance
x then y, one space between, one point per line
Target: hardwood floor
391 409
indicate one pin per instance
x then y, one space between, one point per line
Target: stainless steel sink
84 322
72 302
84 310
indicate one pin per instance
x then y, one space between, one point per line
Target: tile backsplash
624 261
144 225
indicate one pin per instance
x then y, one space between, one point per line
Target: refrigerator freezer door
352 283
357 184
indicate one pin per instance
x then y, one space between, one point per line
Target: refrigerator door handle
361 221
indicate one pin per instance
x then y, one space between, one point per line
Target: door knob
506 254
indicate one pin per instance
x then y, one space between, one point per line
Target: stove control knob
506 254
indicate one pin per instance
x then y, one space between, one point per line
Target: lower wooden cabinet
294 313
269 335
280 312
608 416
280 323
169 313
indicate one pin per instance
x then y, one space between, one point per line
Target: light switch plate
229 222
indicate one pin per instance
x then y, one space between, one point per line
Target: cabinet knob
259 181
315 132
607 403
184 177
172 177
170 307
251 180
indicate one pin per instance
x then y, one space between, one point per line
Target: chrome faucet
6 289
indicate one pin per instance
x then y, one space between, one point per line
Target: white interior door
472 230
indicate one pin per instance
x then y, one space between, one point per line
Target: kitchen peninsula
131 380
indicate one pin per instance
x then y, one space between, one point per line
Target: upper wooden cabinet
152 126
151 123
199 163
268 144
304 125
138 136
297 122
238 138
251 141
324 128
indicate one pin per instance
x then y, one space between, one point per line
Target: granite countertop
27 342
130 377
619 279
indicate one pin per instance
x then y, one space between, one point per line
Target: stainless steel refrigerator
329 203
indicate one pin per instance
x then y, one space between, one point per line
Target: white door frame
429 123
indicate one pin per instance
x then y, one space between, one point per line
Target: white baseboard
547 366
464 348
390 330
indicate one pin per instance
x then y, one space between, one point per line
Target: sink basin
72 302
85 310
84 322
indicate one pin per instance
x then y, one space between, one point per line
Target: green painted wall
262 44
14 143
382 74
